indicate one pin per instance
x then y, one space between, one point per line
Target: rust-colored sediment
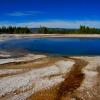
72 81
32 63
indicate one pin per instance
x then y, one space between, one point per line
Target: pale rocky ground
20 59
31 81
24 84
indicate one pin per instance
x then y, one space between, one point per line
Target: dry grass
47 94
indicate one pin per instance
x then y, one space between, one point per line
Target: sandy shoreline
11 36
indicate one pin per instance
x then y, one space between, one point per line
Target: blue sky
50 13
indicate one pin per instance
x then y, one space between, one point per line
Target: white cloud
25 13
58 24
61 24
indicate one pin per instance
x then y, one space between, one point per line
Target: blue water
56 46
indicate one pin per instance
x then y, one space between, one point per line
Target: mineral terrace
45 77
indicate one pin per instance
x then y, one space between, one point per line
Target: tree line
45 30
13 30
86 29
81 30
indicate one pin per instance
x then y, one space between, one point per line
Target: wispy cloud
25 13
58 24
61 24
